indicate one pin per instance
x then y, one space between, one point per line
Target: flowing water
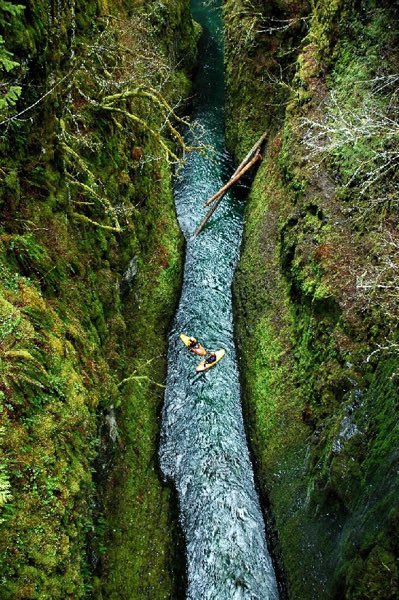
203 445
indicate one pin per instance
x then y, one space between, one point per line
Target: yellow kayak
204 365
193 344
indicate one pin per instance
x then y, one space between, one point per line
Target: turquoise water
203 447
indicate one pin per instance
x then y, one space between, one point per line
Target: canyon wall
316 287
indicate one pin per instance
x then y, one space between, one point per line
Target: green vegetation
316 287
90 266
140 558
10 92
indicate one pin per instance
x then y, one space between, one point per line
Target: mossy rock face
320 394
83 194
374 577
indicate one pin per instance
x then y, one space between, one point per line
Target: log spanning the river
233 179
251 158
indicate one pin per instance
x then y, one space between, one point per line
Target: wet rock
129 275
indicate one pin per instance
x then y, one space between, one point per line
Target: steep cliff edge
316 288
90 256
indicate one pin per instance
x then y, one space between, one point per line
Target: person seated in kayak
210 359
194 344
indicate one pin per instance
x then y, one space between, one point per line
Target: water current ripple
203 446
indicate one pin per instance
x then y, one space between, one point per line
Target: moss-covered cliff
90 262
316 288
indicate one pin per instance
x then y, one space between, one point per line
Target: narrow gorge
124 475
203 446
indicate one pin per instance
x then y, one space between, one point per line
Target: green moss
140 557
71 330
258 66
320 416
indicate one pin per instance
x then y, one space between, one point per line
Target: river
203 447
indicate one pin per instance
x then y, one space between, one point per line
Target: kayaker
210 359
194 343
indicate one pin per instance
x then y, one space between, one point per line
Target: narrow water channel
203 446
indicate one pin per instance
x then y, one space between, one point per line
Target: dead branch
238 170
233 180
221 192
85 219
390 348
374 122
151 94
145 127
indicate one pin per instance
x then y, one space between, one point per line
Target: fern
7 62
18 379
5 486
18 365
23 354
15 10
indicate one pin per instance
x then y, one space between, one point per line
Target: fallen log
234 179
240 167
219 196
